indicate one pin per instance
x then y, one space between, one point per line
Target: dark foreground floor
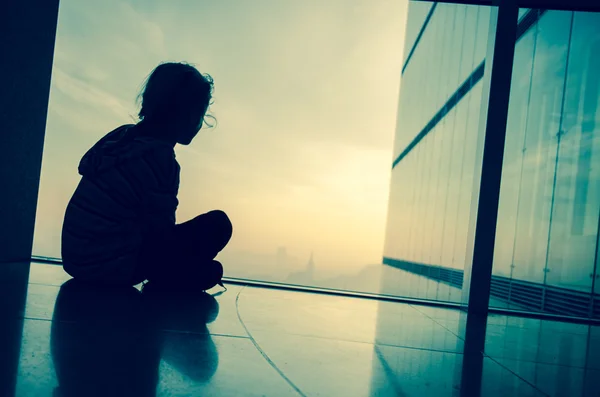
83 341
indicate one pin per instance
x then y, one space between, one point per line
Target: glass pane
419 187
470 163
573 239
540 146
421 81
468 43
418 13
508 209
483 27
451 39
443 162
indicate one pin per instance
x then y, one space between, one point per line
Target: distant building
281 258
305 277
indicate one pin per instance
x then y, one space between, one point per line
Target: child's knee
222 223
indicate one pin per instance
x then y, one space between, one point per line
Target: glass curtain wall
435 151
547 236
547 232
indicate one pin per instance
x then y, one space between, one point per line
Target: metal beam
486 191
571 5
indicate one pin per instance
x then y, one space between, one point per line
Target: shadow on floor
110 341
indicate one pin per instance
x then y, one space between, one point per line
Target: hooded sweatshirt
128 190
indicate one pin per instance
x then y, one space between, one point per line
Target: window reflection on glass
572 245
468 43
550 195
508 209
540 146
483 22
418 14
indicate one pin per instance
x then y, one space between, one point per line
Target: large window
305 96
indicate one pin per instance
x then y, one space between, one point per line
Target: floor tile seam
420 348
181 332
515 374
514 328
261 351
438 323
529 361
74 322
483 353
365 342
390 373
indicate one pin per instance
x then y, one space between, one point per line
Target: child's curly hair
173 90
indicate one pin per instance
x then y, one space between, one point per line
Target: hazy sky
305 96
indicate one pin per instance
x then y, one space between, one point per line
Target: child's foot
196 278
212 275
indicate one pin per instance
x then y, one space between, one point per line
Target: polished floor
62 339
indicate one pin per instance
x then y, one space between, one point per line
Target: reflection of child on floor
119 226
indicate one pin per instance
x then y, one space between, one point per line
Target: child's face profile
189 132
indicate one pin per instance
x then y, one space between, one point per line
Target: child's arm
159 174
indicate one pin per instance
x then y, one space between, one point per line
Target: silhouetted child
119 226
